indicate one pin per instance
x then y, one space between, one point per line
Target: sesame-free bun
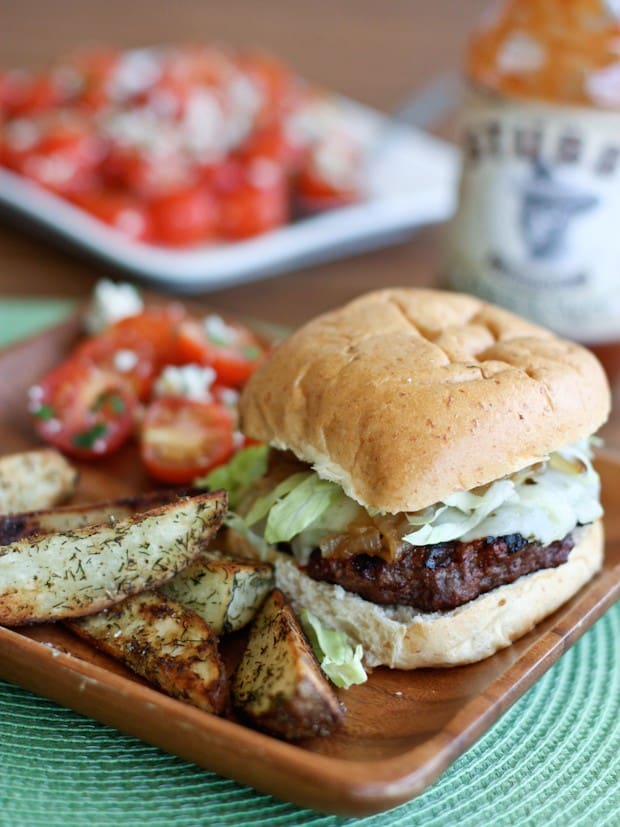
406 396
403 638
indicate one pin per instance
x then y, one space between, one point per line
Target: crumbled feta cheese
238 440
521 53
125 360
219 332
204 122
191 381
336 160
136 71
111 302
229 397
263 173
35 393
21 134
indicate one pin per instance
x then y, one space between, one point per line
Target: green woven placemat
553 760
19 317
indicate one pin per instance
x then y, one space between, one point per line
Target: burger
428 488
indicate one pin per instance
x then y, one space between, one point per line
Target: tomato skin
130 169
113 352
120 210
64 157
316 194
157 328
184 217
94 68
233 363
272 143
83 410
259 203
183 438
279 87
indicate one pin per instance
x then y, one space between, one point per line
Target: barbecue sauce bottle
538 224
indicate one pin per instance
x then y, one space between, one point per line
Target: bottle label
538 224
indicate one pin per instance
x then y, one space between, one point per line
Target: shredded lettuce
302 507
237 523
543 504
263 505
293 505
238 475
341 663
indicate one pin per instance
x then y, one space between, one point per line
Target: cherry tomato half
184 217
183 438
157 328
124 354
83 410
259 203
61 155
120 210
232 350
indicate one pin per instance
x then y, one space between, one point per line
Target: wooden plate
401 729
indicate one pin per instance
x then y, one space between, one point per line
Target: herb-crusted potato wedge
226 593
84 570
163 642
35 479
18 526
278 684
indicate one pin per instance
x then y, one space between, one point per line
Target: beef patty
442 576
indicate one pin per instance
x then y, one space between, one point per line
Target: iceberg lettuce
542 502
339 660
238 475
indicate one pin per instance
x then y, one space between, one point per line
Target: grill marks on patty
442 576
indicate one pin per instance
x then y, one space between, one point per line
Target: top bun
407 396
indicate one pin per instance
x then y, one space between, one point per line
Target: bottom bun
403 638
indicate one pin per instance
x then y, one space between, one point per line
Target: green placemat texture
553 760
19 317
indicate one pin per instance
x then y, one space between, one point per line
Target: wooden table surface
376 52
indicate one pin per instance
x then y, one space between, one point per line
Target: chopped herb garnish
88 438
112 398
45 412
252 352
217 339
117 403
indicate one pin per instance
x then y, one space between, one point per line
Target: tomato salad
155 372
180 145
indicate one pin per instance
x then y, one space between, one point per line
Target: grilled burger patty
442 576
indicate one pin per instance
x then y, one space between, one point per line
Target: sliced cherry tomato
157 328
94 69
131 168
233 351
259 203
120 210
316 194
273 144
183 438
125 354
83 410
185 217
278 85
62 155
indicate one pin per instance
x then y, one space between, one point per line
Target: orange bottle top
562 51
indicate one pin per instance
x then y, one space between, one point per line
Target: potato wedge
226 593
78 572
18 526
278 684
163 642
35 479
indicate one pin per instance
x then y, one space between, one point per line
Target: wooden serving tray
401 729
